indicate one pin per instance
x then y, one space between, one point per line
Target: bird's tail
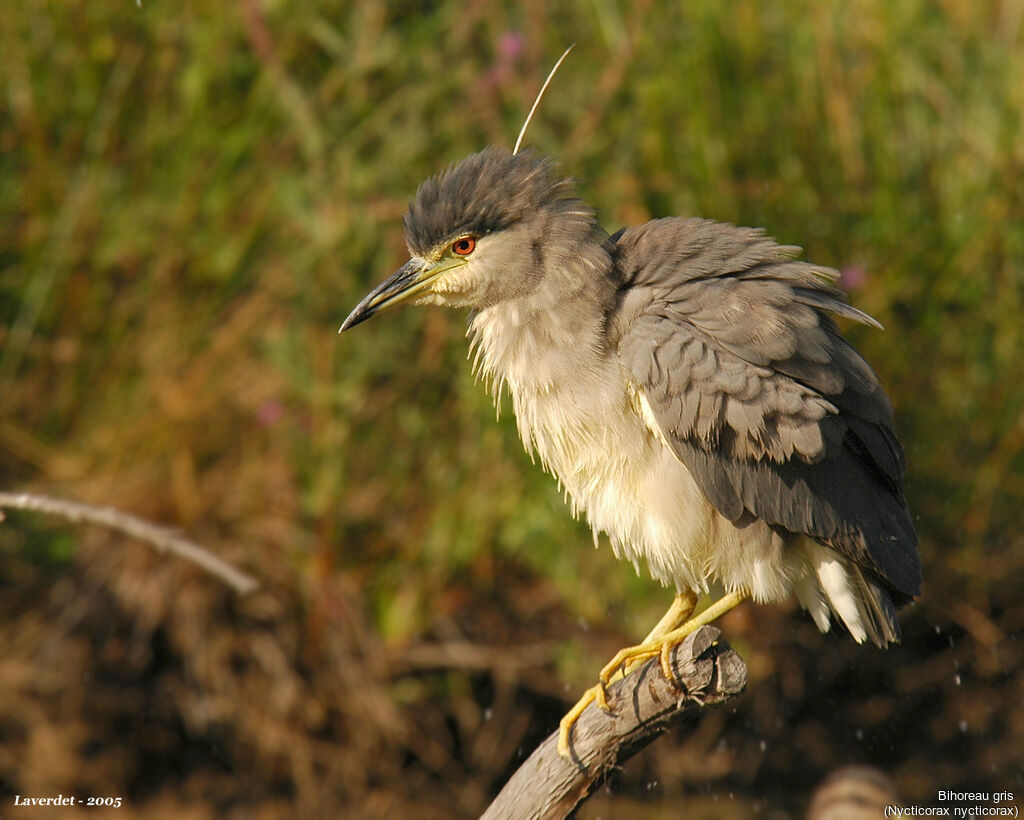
877 608
851 593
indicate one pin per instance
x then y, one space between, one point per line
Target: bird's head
481 233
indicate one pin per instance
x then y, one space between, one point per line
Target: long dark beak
402 284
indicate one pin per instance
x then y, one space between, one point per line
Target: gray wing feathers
764 401
712 394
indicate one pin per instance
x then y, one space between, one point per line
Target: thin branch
163 538
549 787
463 654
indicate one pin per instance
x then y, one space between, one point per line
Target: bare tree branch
163 538
549 787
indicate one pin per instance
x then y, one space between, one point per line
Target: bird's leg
681 609
663 644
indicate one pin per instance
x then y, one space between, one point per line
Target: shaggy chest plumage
578 413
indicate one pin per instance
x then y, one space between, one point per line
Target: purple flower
510 48
270 413
852 277
511 45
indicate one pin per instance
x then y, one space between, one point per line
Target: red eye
464 246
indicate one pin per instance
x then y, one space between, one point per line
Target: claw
666 661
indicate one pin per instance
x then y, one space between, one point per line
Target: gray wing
770 409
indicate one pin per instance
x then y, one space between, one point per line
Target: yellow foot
659 644
662 645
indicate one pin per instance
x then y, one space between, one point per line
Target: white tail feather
835 583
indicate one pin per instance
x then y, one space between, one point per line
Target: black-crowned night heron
684 382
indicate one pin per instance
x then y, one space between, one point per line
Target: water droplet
488 713
956 679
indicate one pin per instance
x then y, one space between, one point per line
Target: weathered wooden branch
163 538
549 787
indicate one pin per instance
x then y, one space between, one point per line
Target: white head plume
536 102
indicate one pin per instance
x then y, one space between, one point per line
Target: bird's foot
623 663
662 644
626 660
659 644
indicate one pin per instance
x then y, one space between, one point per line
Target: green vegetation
192 197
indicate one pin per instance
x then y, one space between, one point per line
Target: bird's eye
464 246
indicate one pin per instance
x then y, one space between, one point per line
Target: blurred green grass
192 198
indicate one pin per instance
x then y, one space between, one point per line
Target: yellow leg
666 635
682 608
662 646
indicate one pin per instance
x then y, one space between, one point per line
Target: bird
686 383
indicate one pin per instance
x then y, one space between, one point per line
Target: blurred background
194 195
